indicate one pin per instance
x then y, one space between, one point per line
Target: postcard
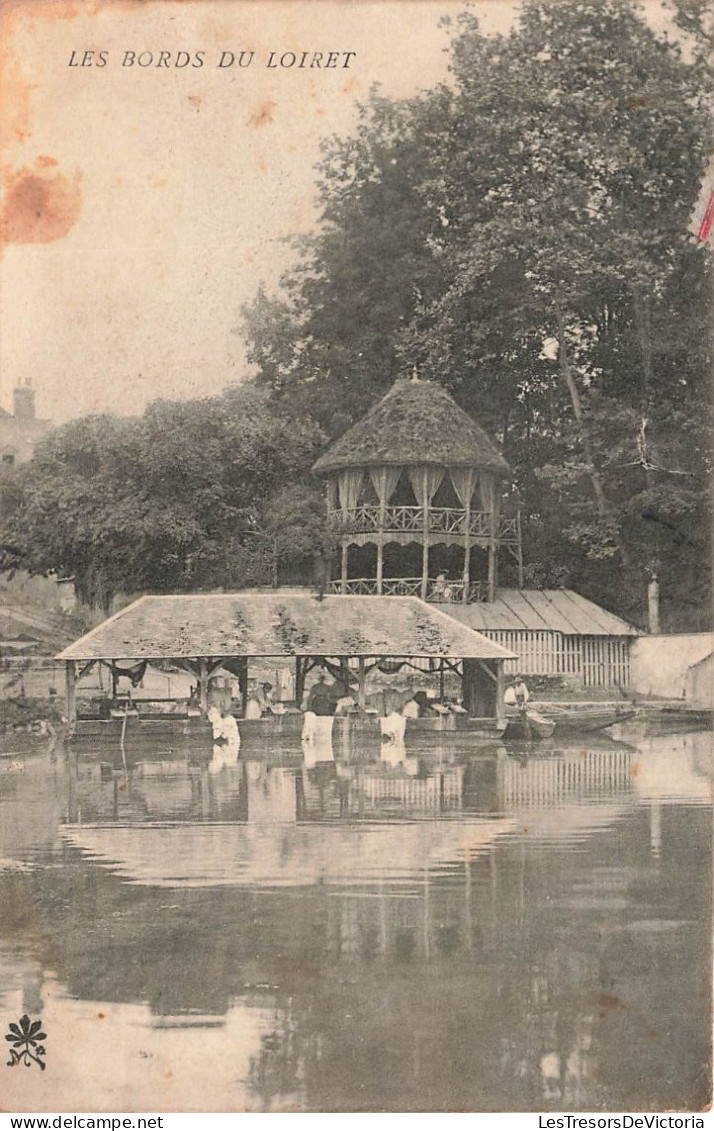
355 605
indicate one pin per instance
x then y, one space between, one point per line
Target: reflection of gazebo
417 469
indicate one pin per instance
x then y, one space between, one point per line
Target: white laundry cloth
393 727
317 738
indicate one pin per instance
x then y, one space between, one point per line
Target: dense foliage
206 493
521 235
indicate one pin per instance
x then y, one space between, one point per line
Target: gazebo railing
449 592
369 518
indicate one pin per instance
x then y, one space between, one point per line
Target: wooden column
500 691
380 563
203 684
492 545
299 679
425 547
467 551
243 684
71 686
468 686
344 565
380 540
361 684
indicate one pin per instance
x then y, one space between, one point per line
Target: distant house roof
417 422
557 610
280 623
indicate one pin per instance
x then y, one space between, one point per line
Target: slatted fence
598 661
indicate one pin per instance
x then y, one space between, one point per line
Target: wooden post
653 605
500 690
380 563
114 678
299 680
344 565
243 684
468 678
71 685
203 684
467 551
492 547
361 684
425 547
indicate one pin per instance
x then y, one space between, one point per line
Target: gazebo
417 469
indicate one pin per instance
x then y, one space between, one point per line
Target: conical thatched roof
417 422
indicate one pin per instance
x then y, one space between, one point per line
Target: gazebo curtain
349 485
464 480
425 482
332 494
384 481
490 494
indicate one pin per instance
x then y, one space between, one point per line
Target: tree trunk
567 375
641 306
566 372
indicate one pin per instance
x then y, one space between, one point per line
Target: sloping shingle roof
417 422
558 610
280 623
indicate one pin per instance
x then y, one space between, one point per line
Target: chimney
23 399
653 604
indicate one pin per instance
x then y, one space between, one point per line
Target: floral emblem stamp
26 1038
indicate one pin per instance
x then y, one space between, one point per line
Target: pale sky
156 200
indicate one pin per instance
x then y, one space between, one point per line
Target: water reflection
445 930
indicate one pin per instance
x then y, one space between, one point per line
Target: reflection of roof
557 610
280 623
417 422
283 853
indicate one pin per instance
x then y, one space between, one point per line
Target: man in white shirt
516 694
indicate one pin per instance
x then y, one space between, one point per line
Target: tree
175 500
542 269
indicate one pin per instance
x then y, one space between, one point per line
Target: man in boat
516 694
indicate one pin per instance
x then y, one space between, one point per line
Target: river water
490 929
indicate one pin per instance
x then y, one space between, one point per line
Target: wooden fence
598 661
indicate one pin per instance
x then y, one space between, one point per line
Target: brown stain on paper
264 115
609 1002
39 204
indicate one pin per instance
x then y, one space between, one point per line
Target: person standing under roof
321 700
